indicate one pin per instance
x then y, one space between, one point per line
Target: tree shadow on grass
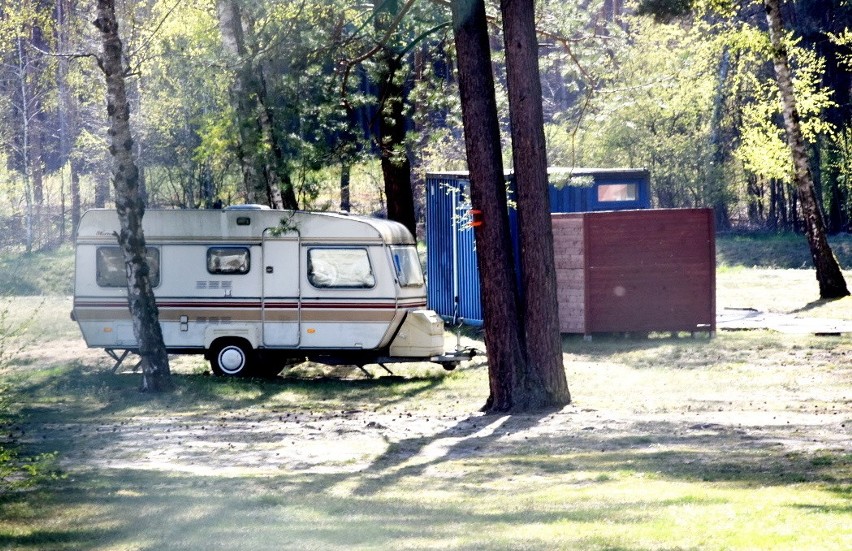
152 511
705 453
398 497
814 305
81 393
393 503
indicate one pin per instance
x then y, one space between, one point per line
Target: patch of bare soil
706 426
262 443
265 441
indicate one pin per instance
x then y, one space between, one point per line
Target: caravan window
407 265
111 271
340 268
228 260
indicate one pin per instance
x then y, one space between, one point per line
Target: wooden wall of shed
643 270
569 256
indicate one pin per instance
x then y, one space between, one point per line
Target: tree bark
258 151
345 177
156 375
718 193
64 110
507 370
25 117
830 278
396 166
76 208
546 386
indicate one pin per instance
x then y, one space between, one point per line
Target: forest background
297 91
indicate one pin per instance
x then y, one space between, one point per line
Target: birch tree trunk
26 117
156 375
507 369
828 274
259 153
547 385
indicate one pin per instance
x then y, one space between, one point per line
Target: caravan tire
232 358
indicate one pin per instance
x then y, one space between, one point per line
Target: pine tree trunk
507 370
830 278
547 386
345 177
156 375
396 166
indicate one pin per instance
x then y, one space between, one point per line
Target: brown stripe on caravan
291 315
347 315
219 312
168 315
101 314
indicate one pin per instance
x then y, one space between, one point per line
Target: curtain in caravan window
228 260
340 268
111 271
407 265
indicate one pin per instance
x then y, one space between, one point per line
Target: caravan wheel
232 358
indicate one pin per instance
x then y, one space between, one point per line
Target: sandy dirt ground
621 410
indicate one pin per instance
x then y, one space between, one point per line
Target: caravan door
281 294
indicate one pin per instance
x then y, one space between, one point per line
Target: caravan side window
340 268
111 271
407 264
228 260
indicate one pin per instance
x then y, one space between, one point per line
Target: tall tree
156 374
830 278
25 82
396 166
259 150
546 385
507 368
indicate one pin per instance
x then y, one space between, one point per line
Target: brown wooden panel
569 255
648 270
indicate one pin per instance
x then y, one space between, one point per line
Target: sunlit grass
469 505
49 272
709 467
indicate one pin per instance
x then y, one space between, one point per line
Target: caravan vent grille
214 285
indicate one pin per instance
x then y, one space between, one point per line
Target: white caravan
254 288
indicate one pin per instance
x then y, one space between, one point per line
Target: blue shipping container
451 267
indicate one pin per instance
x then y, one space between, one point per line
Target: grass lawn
742 441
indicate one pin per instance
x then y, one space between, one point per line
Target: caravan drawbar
253 288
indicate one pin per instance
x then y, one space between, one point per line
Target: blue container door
440 261
451 266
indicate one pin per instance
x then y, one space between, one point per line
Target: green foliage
695 101
655 112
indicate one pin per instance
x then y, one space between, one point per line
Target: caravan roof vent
247 207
